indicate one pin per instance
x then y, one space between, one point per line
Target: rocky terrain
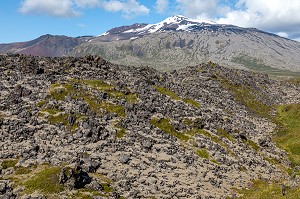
87 128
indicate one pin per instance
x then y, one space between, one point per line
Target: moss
187 122
244 95
52 111
261 189
295 81
288 128
213 138
251 144
202 153
225 134
131 98
98 84
164 125
9 163
62 118
121 133
107 188
45 181
167 92
85 193
60 91
192 102
96 106
41 103
22 170
113 108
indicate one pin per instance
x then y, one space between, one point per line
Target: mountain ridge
177 42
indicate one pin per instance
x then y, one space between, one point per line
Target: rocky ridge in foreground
89 128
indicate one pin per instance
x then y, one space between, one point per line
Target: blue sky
23 20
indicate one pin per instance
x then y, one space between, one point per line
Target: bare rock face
89 128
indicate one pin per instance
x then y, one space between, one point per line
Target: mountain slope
46 45
89 128
179 41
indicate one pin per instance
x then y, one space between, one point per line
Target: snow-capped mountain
179 41
177 23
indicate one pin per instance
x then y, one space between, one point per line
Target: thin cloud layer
69 8
277 16
60 8
161 6
198 8
130 8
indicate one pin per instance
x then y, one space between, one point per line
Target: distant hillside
46 45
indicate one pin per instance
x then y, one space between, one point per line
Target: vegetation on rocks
288 122
164 125
174 96
245 96
9 163
45 181
261 189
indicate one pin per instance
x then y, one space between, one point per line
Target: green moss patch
225 134
9 163
288 130
252 144
174 96
213 138
244 95
202 153
22 170
167 92
60 91
45 181
261 189
107 188
98 84
192 102
164 125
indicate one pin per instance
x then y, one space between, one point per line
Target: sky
24 20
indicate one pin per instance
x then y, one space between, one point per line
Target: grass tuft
9 163
164 125
261 189
244 95
45 181
192 102
167 92
202 153
288 128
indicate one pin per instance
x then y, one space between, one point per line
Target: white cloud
61 8
68 8
130 8
161 6
271 15
283 34
275 16
198 8
87 3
